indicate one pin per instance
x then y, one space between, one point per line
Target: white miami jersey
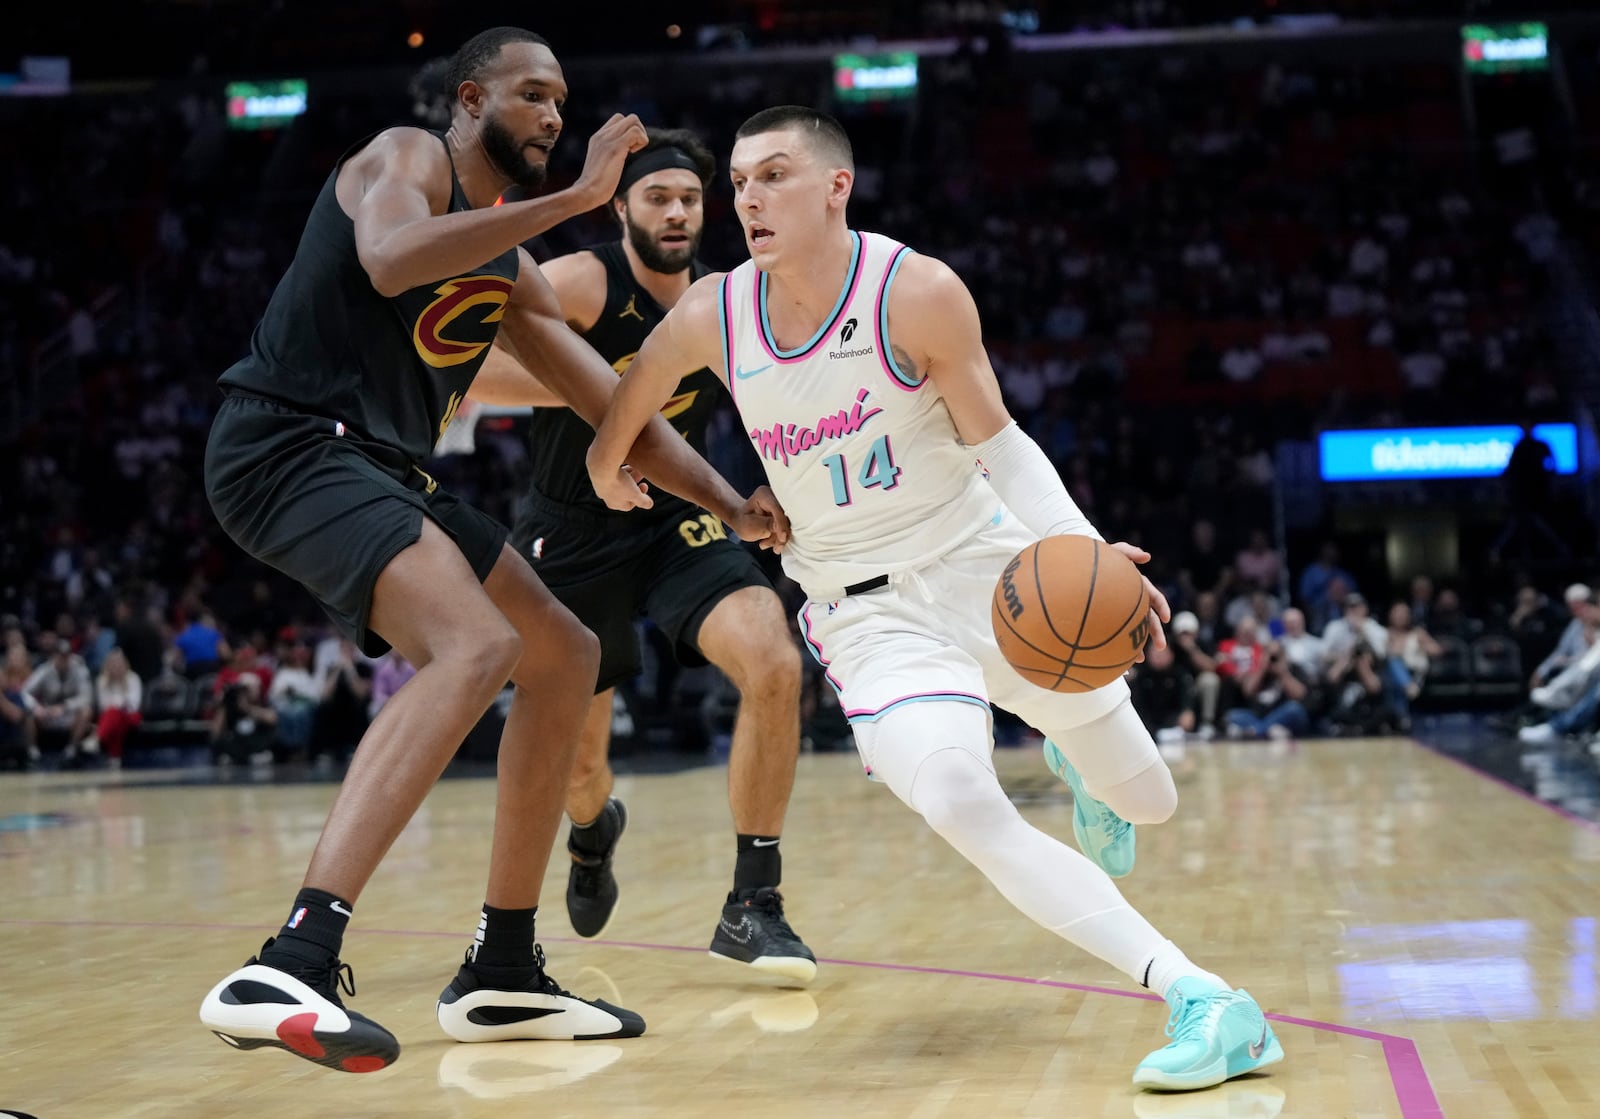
866 461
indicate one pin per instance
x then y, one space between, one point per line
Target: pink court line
1412 1088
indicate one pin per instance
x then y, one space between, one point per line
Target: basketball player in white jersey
859 372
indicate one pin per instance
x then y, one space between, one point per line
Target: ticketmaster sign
1402 453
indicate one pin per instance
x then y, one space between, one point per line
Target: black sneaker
298 1009
753 931
591 887
474 1008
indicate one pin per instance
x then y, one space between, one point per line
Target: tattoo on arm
903 362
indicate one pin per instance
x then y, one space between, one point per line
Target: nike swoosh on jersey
746 374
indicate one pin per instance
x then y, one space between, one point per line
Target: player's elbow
386 280
385 268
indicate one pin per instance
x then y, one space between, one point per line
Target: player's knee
959 796
772 667
572 636
1149 798
585 656
563 653
578 662
1169 794
765 663
1160 800
499 649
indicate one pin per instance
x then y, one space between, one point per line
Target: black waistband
872 584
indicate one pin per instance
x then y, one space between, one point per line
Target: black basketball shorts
610 569
298 494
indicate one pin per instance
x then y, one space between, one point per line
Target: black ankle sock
594 837
315 928
505 938
759 862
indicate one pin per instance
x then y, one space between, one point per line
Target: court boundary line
1566 814
1413 1089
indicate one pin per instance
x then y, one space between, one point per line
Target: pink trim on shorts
816 649
862 715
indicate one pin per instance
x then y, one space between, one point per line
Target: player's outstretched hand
623 491
609 148
762 519
1159 610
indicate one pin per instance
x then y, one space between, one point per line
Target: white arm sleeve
1023 477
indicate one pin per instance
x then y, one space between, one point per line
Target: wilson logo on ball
1139 634
1009 590
1070 613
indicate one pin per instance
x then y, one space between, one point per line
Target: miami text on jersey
781 440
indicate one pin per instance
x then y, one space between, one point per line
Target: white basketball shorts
926 638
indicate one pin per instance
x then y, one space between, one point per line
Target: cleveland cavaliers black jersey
392 370
558 440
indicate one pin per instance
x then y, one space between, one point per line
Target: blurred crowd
1246 662
183 38
1563 700
1181 262
75 699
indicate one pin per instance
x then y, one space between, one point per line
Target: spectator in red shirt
1238 657
245 662
1241 654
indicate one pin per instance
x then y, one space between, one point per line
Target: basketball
1070 613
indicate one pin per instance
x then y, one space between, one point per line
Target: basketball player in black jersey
403 278
672 563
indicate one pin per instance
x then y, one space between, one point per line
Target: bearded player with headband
674 564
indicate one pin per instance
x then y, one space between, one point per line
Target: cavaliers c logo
455 297
673 408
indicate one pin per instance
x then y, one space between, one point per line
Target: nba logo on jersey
833 606
299 915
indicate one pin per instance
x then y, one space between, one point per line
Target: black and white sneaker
298 1009
591 886
539 1010
753 931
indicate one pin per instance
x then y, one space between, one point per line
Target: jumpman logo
631 309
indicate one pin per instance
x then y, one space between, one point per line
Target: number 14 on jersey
878 471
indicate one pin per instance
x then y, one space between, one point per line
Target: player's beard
506 154
657 258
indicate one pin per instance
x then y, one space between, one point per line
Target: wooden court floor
1424 937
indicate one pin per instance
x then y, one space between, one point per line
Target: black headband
656 159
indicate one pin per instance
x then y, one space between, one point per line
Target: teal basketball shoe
1216 1035
1106 838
